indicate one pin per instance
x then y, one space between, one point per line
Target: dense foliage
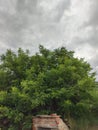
44 83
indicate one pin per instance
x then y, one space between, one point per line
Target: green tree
44 83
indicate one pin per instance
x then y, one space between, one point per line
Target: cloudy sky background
52 23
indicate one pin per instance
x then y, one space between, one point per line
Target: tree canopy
44 83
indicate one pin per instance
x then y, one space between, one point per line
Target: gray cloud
92 25
28 19
62 6
15 23
93 20
53 23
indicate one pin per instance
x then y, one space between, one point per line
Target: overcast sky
52 23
